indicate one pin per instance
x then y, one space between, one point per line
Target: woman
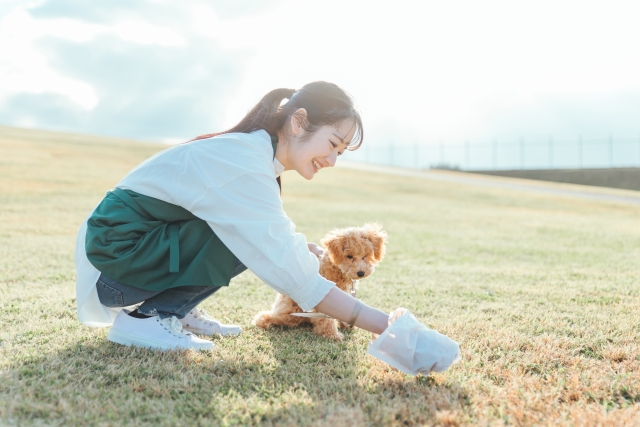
184 222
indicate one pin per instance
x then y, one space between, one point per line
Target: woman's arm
339 305
229 182
239 198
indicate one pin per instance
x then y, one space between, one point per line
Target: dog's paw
338 337
345 325
262 320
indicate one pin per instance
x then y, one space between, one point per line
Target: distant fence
504 155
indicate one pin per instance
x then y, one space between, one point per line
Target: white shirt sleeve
248 217
230 183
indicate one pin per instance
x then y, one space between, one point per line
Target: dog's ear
334 242
378 238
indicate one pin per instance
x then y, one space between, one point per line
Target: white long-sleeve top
228 181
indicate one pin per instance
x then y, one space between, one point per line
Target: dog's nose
360 273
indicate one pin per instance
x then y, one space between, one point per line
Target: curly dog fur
350 254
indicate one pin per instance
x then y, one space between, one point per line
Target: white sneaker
199 322
155 333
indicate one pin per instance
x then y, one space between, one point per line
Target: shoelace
203 316
173 325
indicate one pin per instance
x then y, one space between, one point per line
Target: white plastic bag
412 348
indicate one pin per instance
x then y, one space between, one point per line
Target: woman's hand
315 249
411 347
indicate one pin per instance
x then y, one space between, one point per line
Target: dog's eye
349 256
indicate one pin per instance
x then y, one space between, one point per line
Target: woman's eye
334 145
349 256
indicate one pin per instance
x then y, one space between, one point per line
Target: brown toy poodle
351 254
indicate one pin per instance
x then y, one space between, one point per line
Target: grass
541 292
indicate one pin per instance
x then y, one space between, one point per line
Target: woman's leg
115 294
180 301
176 301
199 322
134 328
170 302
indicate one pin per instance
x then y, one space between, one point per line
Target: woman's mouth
316 165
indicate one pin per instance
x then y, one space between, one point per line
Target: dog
351 254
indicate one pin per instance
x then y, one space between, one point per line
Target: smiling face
307 153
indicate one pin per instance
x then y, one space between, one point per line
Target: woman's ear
297 120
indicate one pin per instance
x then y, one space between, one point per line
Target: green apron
150 244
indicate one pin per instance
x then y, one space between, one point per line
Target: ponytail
261 115
325 103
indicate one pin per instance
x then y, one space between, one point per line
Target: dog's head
356 250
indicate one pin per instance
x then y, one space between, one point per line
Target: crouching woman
180 225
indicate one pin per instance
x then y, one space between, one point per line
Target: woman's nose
331 159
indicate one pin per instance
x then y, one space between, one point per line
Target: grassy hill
540 291
624 178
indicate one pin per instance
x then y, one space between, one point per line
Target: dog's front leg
344 325
327 328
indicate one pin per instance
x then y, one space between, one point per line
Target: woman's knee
109 296
115 294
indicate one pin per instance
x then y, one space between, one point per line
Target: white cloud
25 69
144 33
425 69
251 32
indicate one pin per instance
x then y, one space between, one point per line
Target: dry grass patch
540 291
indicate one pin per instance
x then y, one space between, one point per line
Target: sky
421 72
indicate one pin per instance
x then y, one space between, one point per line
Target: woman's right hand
315 249
411 347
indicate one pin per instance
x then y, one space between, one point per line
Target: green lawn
541 292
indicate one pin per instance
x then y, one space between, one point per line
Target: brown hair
326 104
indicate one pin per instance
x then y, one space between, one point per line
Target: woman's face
320 150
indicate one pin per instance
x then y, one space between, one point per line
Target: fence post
610 150
467 155
522 153
550 152
495 154
580 151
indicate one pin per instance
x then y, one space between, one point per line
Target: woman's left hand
315 249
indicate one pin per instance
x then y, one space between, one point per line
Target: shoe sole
120 337
204 332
